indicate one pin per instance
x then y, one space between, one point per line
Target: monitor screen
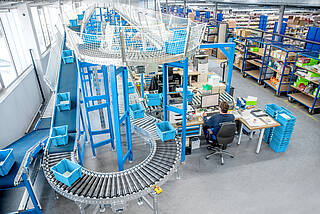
209 100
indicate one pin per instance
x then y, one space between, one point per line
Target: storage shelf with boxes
256 54
280 62
305 81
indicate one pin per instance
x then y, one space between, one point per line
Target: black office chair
224 137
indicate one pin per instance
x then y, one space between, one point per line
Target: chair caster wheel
207 158
232 156
222 163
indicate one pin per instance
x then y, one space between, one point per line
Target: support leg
115 106
155 203
81 207
260 141
31 192
106 88
178 173
251 135
240 134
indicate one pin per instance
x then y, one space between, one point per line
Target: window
38 27
44 26
7 70
12 28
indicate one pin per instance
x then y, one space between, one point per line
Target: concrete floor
250 183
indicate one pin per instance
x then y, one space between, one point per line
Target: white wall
18 106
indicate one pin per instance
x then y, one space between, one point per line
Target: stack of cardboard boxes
243 32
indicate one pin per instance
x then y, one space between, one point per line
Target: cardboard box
203 77
219 88
291 56
220 55
239 32
209 52
210 38
246 33
296 20
232 23
203 68
287 70
191 16
284 78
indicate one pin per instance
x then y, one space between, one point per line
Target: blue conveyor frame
228 49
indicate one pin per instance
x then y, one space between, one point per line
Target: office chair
224 137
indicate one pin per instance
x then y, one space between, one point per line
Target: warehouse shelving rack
282 86
243 41
260 63
309 100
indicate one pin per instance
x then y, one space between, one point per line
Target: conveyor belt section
147 126
108 188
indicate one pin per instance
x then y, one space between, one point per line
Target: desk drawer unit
191 131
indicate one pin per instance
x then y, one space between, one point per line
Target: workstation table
198 121
262 126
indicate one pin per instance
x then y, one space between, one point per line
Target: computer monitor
209 100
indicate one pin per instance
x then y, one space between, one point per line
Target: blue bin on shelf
6 161
130 88
67 56
63 101
67 172
80 16
59 135
165 131
190 96
136 110
153 99
73 22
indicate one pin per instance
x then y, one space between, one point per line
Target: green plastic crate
301 80
254 49
207 87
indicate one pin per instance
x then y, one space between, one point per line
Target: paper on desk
268 120
253 121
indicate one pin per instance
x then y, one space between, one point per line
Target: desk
262 126
195 121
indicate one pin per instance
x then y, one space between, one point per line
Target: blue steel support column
82 80
27 183
142 86
106 88
185 106
126 112
101 14
165 91
228 53
115 106
230 67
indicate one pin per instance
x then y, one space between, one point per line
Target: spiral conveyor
111 189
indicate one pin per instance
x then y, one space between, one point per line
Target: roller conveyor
119 187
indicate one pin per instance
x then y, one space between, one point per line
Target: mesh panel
150 38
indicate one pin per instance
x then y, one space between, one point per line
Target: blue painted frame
123 71
89 105
229 53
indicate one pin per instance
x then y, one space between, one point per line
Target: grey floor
250 183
